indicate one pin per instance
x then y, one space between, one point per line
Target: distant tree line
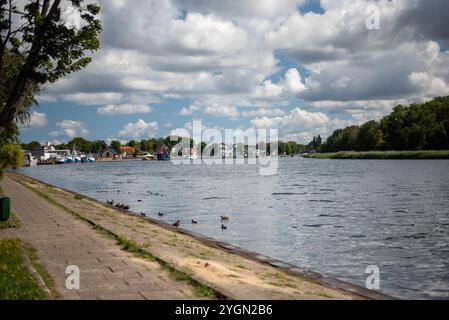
416 127
100 146
291 148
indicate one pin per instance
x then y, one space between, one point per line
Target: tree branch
45 7
8 35
12 106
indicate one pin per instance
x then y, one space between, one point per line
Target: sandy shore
231 271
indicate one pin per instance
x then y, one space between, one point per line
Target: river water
336 217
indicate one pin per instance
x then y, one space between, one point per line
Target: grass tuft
16 281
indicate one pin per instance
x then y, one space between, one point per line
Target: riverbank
399 155
225 270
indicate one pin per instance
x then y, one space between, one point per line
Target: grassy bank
16 280
431 154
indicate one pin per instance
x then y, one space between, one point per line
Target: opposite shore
399 155
211 268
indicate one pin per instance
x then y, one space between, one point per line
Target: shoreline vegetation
383 155
419 128
417 131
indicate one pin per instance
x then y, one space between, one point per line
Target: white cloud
293 81
243 10
139 130
286 89
221 111
426 83
70 129
114 109
45 98
264 112
367 109
302 125
93 99
349 62
188 111
211 106
220 55
37 120
298 119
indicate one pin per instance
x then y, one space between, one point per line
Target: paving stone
106 272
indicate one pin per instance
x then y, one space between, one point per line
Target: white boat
60 160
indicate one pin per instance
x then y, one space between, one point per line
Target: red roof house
126 150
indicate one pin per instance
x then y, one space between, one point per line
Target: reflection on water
335 217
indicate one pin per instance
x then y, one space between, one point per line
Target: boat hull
163 157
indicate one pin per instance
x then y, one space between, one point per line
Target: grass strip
387 155
16 281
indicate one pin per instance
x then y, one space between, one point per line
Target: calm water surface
332 216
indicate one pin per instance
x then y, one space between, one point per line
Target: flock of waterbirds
123 206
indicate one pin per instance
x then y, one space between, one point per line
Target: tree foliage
36 47
115 145
416 127
31 145
290 148
82 145
11 156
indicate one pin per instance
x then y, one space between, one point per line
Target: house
110 154
127 151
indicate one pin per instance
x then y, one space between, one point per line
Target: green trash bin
5 209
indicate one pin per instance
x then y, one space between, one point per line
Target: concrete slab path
106 271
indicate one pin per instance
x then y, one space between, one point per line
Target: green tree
370 137
79 144
288 148
38 47
98 146
342 140
115 145
11 156
41 49
415 127
30 146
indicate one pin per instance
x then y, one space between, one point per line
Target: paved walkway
107 272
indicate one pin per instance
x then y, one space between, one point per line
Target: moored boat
163 157
60 160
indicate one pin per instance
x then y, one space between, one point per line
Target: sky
305 67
